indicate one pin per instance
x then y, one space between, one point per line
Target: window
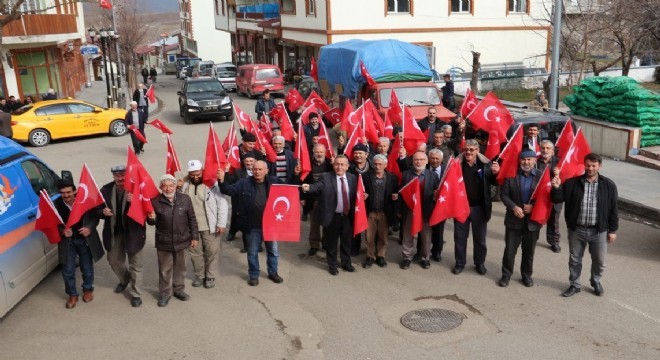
217 7
30 6
518 6
51 110
310 7
288 7
80 108
398 6
264 74
40 177
461 6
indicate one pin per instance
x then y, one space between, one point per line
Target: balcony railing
258 12
42 24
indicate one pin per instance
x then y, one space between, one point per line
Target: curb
640 210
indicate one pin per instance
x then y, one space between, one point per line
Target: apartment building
199 37
41 50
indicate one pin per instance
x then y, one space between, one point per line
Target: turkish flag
509 156
88 197
160 126
151 94
357 137
324 139
491 114
302 153
265 128
412 197
333 116
48 220
493 147
243 118
392 164
365 74
452 200
262 144
315 99
394 112
234 158
313 70
360 222
230 139
293 99
143 192
542 205
573 163
132 164
370 130
564 140
286 126
372 114
304 116
215 158
348 118
389 129
413 136
172 163
138 134
281 218
105 4
470 101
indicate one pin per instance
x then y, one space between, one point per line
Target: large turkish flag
281 219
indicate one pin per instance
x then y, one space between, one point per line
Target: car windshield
263 74
22 110
226 71
412 96
205 86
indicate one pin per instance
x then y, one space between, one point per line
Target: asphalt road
313 315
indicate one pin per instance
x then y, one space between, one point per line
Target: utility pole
121 96
554 71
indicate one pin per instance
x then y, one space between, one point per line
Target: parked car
26 255
226 73
204 98
203 68
41 122
253 79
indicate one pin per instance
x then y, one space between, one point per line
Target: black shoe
405 264
253 282
528 282
380 261
209 283
163 301
572 290
181 295
243 251
436 258
312 251
504 282
333 271
348 267
457 270
355 253
120 288
555 247
275 278
417 257
481 269
136 302
425 264
598 288
261 249
230 236
367 263
197 282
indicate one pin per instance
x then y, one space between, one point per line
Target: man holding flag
547 159
122 236
80 243
520 230
137 119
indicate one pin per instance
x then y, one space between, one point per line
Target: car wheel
180 111
230 117
249 93
39 137
118 128
188 120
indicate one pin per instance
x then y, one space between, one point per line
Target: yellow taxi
41 122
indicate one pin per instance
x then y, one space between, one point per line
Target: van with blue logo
26 256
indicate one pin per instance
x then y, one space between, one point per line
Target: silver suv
226 73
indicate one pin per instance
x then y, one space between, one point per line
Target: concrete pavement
97 94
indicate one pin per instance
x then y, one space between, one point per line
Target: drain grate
432 320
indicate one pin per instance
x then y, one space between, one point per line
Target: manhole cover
432 320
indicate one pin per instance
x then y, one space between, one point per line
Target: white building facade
199 36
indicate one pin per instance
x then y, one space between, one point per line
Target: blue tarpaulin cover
386 61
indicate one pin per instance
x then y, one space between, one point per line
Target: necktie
344 196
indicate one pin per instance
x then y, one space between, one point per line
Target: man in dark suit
428 182
138 118
140 96
516 194
436 165
335 211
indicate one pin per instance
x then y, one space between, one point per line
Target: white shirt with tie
340 199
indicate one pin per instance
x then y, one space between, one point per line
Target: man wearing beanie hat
248 144
211 210
176 230
516 193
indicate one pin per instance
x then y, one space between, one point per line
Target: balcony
42 24
258 12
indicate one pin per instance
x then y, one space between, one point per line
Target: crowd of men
189 215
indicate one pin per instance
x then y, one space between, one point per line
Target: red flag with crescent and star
230 139
105 4
151 94
493 147
360 222
48 219
242 117
172 163
394 111
144 190
509 156
315 99
411 196
348 122
333 115
573 163
302 153
452 199
392 165
365 74
215 158
160 126
313 70
324 139
88 197
469 103
304 116
293 99
138 134
542 204
564 140
281 218
286 126
357 137
490 114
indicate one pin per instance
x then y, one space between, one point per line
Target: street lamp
102 35
119 67
110 37
163 37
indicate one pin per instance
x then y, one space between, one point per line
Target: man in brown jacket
176 230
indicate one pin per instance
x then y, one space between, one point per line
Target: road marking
638 312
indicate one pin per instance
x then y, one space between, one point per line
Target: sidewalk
97 94
638 188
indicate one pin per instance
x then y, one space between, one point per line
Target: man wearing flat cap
211 210
520 231
176 231
122 237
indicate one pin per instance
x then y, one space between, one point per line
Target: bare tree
474 81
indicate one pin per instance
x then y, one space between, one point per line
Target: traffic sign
89 50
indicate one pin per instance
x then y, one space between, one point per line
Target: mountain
144 6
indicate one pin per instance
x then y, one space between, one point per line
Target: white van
226 73
204 68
